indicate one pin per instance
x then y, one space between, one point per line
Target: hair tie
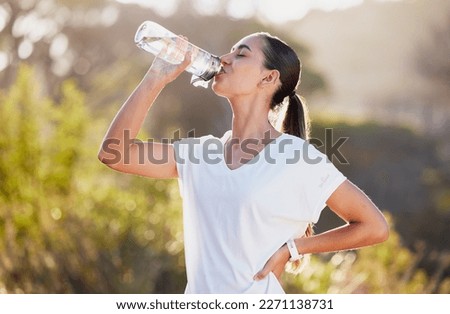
292 94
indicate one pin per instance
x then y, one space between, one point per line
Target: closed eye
241 49
241 53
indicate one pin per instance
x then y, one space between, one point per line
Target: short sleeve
188 156
321 179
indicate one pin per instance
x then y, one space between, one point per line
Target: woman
248 197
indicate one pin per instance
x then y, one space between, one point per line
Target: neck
250 120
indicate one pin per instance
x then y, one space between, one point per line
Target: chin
217 89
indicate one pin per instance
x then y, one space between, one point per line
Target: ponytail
296 120
279 56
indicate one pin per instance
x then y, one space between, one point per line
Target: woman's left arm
365 225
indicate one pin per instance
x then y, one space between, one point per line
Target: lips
221 71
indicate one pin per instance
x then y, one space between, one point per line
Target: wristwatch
295 255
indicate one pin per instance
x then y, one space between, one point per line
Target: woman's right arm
120 150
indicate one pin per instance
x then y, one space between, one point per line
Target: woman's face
243 69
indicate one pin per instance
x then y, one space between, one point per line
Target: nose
225 59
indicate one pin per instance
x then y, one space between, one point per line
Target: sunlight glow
3 60
4 16
278 11
285 10
164 8
25 49
58 46
239 9
207 7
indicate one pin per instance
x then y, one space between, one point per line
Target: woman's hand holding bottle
167 72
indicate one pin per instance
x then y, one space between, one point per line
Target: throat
239 152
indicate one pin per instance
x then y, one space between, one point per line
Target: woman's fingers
167 71
265 271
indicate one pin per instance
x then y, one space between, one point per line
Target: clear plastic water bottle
164 44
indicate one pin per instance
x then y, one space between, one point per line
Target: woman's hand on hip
275 264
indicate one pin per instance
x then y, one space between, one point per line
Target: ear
271 77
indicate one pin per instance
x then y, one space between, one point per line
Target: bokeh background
376 72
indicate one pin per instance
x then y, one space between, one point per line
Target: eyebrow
242 47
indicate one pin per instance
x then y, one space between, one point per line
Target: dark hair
279 56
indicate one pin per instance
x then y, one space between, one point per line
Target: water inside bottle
173 53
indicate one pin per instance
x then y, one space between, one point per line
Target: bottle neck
213 68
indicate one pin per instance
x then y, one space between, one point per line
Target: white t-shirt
234 220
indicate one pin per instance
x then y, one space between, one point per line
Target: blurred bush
67 223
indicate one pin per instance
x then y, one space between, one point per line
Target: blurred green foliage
389 267
68 224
